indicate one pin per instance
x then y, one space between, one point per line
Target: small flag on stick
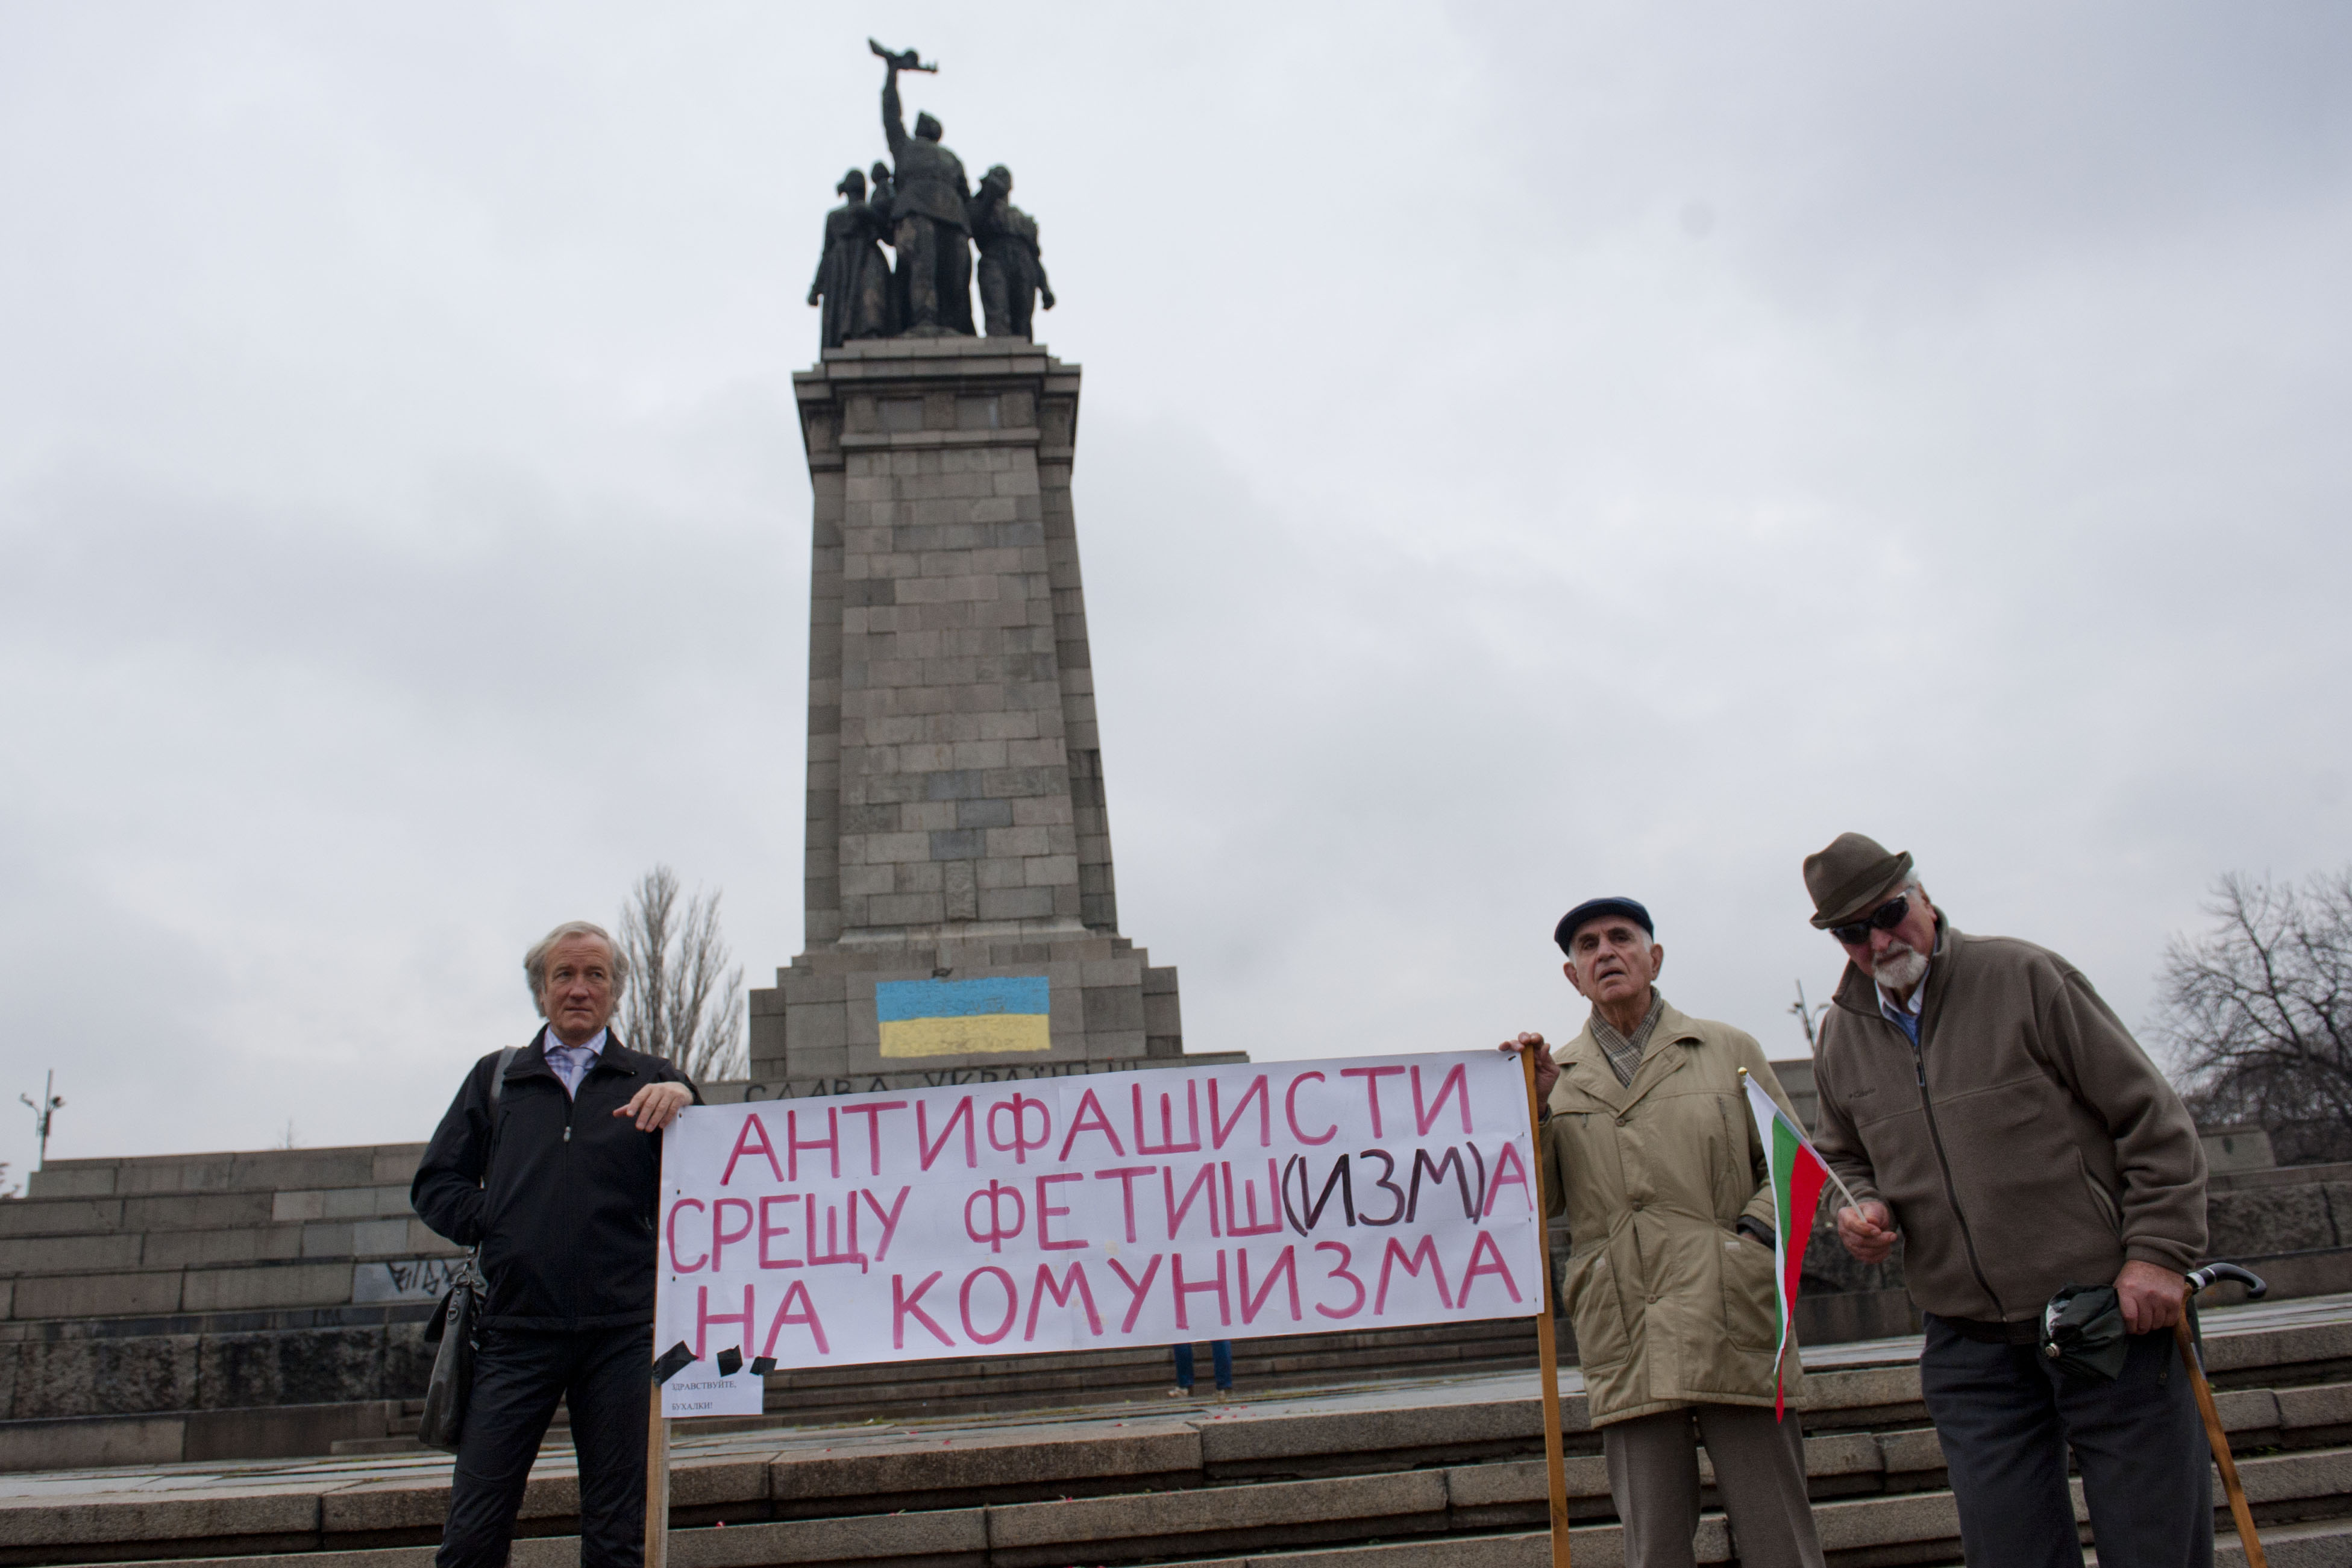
1797 1173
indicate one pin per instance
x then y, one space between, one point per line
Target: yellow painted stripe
984 1034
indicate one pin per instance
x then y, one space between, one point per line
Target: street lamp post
44 1109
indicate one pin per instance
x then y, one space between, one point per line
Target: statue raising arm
894 116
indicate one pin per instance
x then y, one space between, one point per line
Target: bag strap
497 1087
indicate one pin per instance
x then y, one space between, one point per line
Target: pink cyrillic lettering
1290 1110
830 1143
1371 1077
1073 1280
1340 1272
1485 1248
903 1307
889 1221
743 1146
1455 1083
1176 1278
930 1150
1221 1131
1509 1171
873 1114
806 1317
1205 1183
672 1228
1425 1252
1234 1225
720 1235
1090 1119
704 1318
1046 1212
1012 1304
1286 1265
995 1195
1021 1105
1127 1175
1168 1144
767 1231
1135 1289
832 1252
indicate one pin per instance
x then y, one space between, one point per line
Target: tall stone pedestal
956 821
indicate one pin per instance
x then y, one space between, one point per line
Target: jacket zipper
1952 1192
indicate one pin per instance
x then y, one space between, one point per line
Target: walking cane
2187 1336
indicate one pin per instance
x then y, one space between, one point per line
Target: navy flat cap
1593 909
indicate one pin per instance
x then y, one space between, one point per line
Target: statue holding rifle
931 229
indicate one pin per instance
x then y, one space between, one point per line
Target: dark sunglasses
1885 917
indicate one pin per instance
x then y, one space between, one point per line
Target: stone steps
1351 1522
1428 1473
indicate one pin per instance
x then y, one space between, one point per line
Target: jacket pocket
1750 1316
1602 1339
2101 1199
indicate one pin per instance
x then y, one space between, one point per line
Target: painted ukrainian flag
962 1017
1797 1174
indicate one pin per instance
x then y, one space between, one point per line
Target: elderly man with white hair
554 1171
1989 1111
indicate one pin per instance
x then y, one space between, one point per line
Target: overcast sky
1525 453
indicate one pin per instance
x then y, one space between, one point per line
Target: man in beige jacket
1649 1145
1987 1107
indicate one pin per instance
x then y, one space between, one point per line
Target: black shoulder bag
443 1421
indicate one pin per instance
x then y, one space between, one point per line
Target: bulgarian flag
1797 1176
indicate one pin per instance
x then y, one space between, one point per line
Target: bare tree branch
2257 1014
683 1002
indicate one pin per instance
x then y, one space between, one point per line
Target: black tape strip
673 1360
763 1365
730 1362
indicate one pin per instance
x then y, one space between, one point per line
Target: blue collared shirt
1904 1015
572 1062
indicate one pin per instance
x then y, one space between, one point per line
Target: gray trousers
2006 1421
1760 1474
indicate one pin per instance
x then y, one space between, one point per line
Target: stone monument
961 914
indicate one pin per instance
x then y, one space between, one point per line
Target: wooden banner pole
1547 1340
656 1482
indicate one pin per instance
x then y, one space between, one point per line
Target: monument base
1103 1007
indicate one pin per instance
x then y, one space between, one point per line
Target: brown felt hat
1854 875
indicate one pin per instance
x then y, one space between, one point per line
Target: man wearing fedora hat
1990 1111
1649 1146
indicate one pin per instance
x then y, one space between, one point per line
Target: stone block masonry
957 825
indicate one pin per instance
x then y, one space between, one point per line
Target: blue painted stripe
897 1001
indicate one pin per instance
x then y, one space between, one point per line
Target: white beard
1900 970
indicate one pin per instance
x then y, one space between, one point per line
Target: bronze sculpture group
924 210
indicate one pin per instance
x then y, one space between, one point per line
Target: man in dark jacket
556 1179
1986 1107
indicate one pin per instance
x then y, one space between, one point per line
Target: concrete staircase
1426 1472
192 1307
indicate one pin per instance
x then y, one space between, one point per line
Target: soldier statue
931 232
853 279
1011 275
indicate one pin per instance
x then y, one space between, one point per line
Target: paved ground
315 1475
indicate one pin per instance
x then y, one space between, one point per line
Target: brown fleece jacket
2028 1145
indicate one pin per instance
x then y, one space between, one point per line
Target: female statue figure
853 280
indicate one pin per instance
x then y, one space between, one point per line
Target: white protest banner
1130 1209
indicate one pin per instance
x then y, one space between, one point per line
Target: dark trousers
1221 1352
2006 1420
606 1376
1760 1474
